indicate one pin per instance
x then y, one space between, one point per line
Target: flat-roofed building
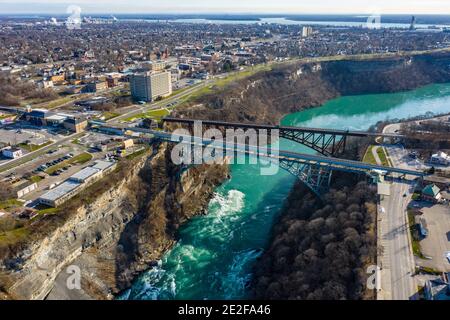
77 182
96 86
75 124
25 188
105 166
149 86
86 175
60 194
12 153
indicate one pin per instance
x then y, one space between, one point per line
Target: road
29 156
397 259
397 262
138 109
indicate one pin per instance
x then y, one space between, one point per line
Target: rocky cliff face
119 234
267 96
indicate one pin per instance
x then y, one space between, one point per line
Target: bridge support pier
316 178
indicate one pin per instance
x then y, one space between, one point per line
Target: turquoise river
215 254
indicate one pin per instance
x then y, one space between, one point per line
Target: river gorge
154 232
216 253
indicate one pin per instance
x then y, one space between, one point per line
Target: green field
35 179
110 115
383 157
79 159
34 147
10 204
232 77
13 236
368 157
153 114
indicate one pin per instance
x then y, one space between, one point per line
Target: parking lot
438 241
15 134
90 139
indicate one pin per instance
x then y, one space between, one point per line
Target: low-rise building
58 79
431 193
60 194
96 86
128 143
438 289
87 175
76 183
75 124
25 188
12 153
440 158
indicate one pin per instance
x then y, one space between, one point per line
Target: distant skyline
229 6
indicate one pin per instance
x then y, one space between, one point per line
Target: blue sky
229 6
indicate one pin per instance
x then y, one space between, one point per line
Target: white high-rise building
307 31
149 86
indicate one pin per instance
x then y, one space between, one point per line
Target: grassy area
10 204
232 77
414 242
34 147
416 196
48 211
383 157
137 154
79 159
36 179
110 115
53 104
153 114
13 236
430 271
368 157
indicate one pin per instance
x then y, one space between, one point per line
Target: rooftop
60 191
103 165
431 190
84 174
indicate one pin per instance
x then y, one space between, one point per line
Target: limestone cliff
120 233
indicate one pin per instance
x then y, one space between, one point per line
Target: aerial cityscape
178 152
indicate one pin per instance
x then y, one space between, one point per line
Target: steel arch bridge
313 170
327 142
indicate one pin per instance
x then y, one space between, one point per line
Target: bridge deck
290 128
334 163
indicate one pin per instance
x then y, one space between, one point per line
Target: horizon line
227 13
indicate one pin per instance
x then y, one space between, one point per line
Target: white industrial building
440 158
12 153
76 183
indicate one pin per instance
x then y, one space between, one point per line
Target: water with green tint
215 254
